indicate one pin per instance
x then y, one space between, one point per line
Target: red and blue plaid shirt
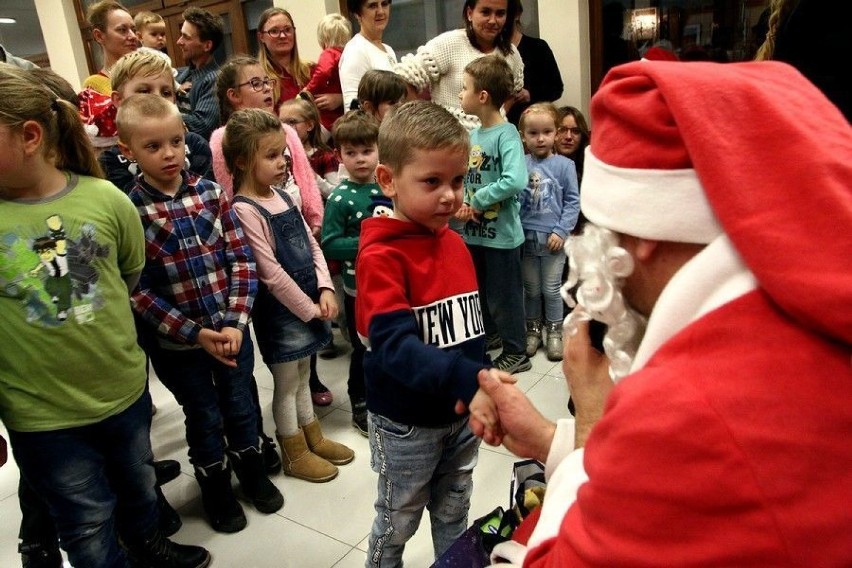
199 272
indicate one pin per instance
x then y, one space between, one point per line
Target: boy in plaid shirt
197 289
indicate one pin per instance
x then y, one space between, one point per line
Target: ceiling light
8 21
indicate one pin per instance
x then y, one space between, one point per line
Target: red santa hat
686 151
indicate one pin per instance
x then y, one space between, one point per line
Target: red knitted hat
686 151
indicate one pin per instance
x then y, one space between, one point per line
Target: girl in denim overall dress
296 297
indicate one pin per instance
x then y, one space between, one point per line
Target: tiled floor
320 525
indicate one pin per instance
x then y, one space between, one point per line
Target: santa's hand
587 372
522 428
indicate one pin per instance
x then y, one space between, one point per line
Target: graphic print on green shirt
53 273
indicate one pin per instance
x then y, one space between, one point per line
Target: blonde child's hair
242 137
298 69
226 79
539 108
144 19
419 125
304 105
141 62
98 13
333 30
24 98
355 127
380 86
492 74
139 108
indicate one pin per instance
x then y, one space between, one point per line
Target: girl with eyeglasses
278 53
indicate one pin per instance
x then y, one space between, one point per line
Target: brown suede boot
298 461
333 452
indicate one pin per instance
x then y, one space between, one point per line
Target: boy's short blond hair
140 62
142 107
355 127
492 74
144 19
419 125
333 30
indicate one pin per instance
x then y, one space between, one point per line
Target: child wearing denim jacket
197 289
418 312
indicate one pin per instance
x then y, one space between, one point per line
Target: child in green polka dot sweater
355 136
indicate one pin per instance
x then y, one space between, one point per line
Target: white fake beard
599 265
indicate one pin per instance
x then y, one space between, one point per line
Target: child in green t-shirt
73 392
355 134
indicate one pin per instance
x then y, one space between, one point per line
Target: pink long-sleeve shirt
269 270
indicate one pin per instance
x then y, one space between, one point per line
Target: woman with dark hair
365 51
572 137
278 53
439 64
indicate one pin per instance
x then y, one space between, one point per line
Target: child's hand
215 343
464 213
555 242
315 231
235 340
327 305
476 215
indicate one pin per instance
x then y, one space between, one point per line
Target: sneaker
492 342
160 552
513 362
359 417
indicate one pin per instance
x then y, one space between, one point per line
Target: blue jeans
501 291
96 480
542 271
216 400
419 468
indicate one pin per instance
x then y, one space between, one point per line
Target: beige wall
563 23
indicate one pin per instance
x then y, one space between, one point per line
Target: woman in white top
365 50
439 65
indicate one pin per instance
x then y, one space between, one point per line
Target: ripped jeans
419 468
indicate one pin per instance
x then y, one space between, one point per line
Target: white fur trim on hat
663 205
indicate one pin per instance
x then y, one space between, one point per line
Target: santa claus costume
729 442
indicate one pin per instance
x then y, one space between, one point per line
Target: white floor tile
321 525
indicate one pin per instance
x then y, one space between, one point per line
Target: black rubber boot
223 510
170 522
250 470
166 470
